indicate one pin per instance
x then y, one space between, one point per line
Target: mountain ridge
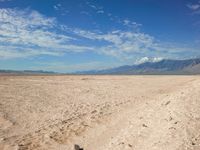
4 71
165 66
162 67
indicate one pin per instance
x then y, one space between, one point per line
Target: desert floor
100 112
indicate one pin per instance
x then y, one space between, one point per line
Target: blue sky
74 35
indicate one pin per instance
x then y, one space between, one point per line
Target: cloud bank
28 33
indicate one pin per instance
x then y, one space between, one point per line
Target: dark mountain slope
166 66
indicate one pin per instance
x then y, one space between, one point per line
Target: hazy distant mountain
26 72
166 66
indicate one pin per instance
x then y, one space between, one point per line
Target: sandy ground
100 112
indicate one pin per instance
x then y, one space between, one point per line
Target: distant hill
166 66
26 72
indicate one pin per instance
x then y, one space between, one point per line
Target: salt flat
100 112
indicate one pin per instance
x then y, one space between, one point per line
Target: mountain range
165 66
162 67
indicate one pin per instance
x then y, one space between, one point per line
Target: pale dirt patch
100 112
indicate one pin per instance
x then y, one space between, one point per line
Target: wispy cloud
27 33
85 13
100 11
5 0
129 23
129 45
125 22
33 32
195 7
97 9
57 6
93 6
10 52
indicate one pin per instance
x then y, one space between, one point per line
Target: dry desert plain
100 112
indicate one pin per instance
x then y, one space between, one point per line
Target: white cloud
26 33
29 29
25 19
193 6
100 11
157 59
142 60
93 6
9 52
57 6
118 42
85 13
5 0
130 45
147 59
126 21
131 24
